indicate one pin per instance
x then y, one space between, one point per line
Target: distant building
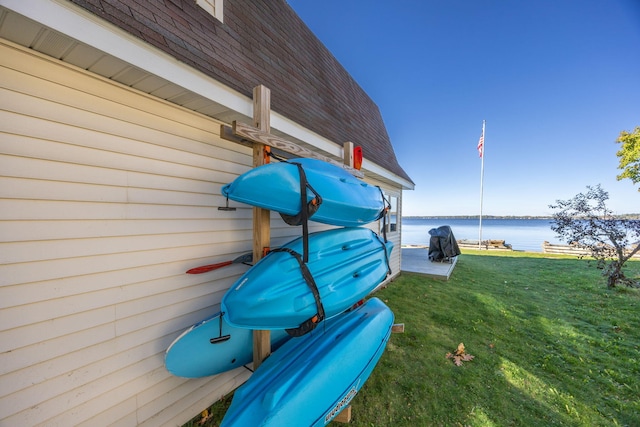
112 164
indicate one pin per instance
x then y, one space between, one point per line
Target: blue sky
555 80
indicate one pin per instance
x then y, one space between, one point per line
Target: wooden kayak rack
261 140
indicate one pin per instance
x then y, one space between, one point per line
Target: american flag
481 145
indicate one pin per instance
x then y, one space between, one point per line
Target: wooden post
344 417
261 217
397 328
347 153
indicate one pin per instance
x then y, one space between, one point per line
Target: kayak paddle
242 259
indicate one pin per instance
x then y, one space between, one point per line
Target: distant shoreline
625 216
478 217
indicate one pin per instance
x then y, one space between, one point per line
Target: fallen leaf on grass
206 416
460 355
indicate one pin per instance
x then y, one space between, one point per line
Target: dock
415 259
489 245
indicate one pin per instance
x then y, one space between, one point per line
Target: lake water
521 234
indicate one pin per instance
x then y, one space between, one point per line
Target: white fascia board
378 170
79 24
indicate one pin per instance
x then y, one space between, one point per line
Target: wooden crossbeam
226 132
243 133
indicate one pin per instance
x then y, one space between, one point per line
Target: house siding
107 196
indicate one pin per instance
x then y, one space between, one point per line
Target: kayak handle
220 338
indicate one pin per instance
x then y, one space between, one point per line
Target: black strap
307 209
309 324
386 256
311 207
275 156
386 206
305 219
220 338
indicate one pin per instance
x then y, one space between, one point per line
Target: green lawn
552 347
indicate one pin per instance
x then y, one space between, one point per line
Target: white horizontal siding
106 197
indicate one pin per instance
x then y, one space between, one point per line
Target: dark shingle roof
262 42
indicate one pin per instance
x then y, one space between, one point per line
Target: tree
586 222
629 155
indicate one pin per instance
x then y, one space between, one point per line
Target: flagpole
481 150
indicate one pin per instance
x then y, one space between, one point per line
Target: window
214 7
391 217
393 214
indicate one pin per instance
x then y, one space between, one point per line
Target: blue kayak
346 265
346 200
309 380
211 347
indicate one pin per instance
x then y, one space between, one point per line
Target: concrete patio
415 259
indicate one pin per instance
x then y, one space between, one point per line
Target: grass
552 345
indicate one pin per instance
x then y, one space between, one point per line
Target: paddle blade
210 267
242 259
